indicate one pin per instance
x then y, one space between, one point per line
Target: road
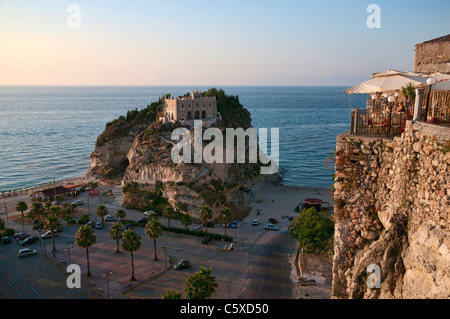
269 271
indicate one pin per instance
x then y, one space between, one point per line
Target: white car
148 213
109 218
98 225
26 252
270 227
48 234
78 202
255 222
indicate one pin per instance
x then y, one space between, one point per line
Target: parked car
128 226
21 236
234 224
25 252
48 234
6 240
270 227
98 225
273 220
196 228
78 202
255 222
182 264
208 224
142 220
110 218
148 213
206 240
291 218
29 240
90 224
226 225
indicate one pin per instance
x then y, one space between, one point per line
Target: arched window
197 115
203 115
189 115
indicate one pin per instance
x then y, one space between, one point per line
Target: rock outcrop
392 210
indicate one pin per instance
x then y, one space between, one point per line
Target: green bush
313 230
9 232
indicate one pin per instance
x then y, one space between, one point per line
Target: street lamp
68 252
165 254
430 82
390 99
107 275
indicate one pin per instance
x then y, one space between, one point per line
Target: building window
209 105
182 106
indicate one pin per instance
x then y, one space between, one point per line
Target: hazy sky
211 42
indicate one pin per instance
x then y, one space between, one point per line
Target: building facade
194 107
433 56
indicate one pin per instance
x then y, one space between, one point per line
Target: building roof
445 38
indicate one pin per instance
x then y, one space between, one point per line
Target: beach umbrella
385 83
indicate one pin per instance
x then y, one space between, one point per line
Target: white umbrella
382 83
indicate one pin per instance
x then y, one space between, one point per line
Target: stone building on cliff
433 56
194 107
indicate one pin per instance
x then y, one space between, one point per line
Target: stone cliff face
138 148
392 209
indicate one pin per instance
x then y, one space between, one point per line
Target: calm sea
48 133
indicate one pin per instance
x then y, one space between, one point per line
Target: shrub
313 230
9 232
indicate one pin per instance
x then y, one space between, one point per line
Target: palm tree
55 210
52 223
200 285
101 212
21 207
38 210
85 238
121 214
131 242
409 92
168 213
186 220
205 214
225 217
116 233
171 294
153 230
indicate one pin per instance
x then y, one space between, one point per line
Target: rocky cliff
138 148
392 210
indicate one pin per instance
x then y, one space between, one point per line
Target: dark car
29 240
273 220
6 240
206 240
291 218
142 220
234 224
21 236
182 264
208 224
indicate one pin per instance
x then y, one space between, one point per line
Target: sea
48 132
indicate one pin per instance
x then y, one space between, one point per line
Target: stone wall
392 209
433 57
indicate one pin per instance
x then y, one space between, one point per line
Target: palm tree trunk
206 225
88 266
132 267
53 241
154 245
117 250
23 222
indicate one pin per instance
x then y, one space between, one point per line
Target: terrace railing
378 124
438 108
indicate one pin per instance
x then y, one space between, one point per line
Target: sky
211 42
